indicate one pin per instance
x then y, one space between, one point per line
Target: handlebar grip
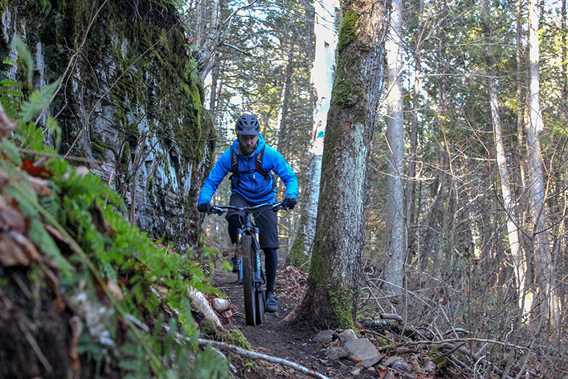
216 210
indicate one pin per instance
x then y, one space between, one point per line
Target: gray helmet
248 125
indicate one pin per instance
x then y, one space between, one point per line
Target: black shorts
265 219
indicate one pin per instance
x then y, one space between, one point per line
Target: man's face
247 143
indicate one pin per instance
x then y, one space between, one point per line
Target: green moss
231 336
348 30
99 147
341 303
296 256
438 358
237 338
345 92
3 5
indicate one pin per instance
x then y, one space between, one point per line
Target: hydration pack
258 167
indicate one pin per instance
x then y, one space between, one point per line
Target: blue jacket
252 185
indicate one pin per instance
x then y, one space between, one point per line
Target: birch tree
536 172
322 80
331 295
513 234
396 248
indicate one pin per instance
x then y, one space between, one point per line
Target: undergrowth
130 293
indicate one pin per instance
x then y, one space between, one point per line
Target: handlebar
220 209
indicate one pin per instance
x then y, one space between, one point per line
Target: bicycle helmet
248 125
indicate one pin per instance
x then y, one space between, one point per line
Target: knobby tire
250 301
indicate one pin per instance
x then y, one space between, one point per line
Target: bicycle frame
250 271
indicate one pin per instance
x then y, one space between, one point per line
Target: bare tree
396 248
536 172
513 234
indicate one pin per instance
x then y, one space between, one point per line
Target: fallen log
265 357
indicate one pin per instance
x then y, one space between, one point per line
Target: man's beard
246 150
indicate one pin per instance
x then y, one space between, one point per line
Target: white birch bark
322 81
513 234
536 172
396 249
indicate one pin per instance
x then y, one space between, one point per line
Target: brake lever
278 207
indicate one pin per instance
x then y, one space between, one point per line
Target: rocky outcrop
130 103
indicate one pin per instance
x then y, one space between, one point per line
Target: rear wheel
250 300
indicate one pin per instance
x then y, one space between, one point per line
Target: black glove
203 207
289 203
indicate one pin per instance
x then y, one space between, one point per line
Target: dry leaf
40 186
27 246
35 169
115 290
100 222
11 219
76 328
11 253
6 125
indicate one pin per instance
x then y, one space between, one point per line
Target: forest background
443 185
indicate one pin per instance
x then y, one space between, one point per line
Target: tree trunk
331 296
411 206
201 22
536 172
283 118
396 249
513 234
564 57
322 80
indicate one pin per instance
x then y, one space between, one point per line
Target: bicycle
250 270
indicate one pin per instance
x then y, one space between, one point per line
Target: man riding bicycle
250 160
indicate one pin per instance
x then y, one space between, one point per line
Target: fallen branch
266 357
200 302
453 340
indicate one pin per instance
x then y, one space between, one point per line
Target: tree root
265 357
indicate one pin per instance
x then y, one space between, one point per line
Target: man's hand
204 207
289 203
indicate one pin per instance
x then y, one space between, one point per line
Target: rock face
130 102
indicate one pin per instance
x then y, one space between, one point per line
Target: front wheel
250 291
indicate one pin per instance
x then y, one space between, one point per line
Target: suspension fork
258 275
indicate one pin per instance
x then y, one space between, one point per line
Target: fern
25 56
38 101
99 245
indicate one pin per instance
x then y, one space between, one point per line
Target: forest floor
279 338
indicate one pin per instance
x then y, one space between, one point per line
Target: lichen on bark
131 101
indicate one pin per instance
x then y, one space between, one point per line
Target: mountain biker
251 160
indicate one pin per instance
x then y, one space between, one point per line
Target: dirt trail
277 337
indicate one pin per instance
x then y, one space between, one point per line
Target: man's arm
286 173
216 176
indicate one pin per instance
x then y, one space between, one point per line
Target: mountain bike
250 266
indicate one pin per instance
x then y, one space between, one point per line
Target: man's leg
267 223
271 263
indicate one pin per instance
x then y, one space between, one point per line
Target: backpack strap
259 167
234 164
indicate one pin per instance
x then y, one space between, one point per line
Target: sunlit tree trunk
536 172
396 248
322 80
508 202
411 207
331 295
